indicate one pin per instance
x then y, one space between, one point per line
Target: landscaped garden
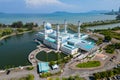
68 78
106 74
29 77
111 48
110 32
51 56
89 64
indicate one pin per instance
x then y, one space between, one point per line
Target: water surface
14 50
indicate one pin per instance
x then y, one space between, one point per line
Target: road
67 71
19 74
85 72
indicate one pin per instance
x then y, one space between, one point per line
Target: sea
54 18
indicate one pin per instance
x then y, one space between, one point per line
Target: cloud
44 3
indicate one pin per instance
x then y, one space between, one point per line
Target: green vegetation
108 38
20 29
54 58
73 78
5 31
29 77
110 33
111 48
92 24
17 24
16 27
20 24
100 41
48 74
69 78
89 64
106 74
96 23
30 68
51 56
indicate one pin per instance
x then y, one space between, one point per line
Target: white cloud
44 3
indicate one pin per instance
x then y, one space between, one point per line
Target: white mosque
65 42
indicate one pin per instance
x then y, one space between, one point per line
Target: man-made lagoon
14 50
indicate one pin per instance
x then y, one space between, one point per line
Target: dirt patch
118 31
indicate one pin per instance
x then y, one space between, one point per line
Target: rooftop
43 67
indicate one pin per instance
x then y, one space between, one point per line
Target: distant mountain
61 12
91 12
98 11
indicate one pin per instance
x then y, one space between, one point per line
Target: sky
49 6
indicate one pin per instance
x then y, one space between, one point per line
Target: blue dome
48 26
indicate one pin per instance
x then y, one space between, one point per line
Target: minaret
79 24
45 32
65 26
57 37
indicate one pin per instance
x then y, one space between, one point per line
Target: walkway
20 73
32 57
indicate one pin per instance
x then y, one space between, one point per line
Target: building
43 67
119 10
68 43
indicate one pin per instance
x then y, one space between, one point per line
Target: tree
30 25
18 24
7 31
52 63
30 77
99 41
20 30
97 76
110 73
108 38
118 17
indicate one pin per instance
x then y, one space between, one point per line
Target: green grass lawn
89 64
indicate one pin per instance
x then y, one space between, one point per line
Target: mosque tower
65 26
57 37
45 31
79 24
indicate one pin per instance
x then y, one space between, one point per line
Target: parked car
118 77
8 72
118 65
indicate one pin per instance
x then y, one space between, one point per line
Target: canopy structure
43 67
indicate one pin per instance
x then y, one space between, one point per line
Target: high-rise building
119 10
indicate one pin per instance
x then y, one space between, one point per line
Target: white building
66 42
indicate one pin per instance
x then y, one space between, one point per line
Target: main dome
48 26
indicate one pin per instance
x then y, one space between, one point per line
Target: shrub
89 64
30 68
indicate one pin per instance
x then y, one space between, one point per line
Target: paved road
67 71
85 73
19 74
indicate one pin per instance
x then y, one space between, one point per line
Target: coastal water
53 18
14 50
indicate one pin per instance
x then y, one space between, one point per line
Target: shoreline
13 34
